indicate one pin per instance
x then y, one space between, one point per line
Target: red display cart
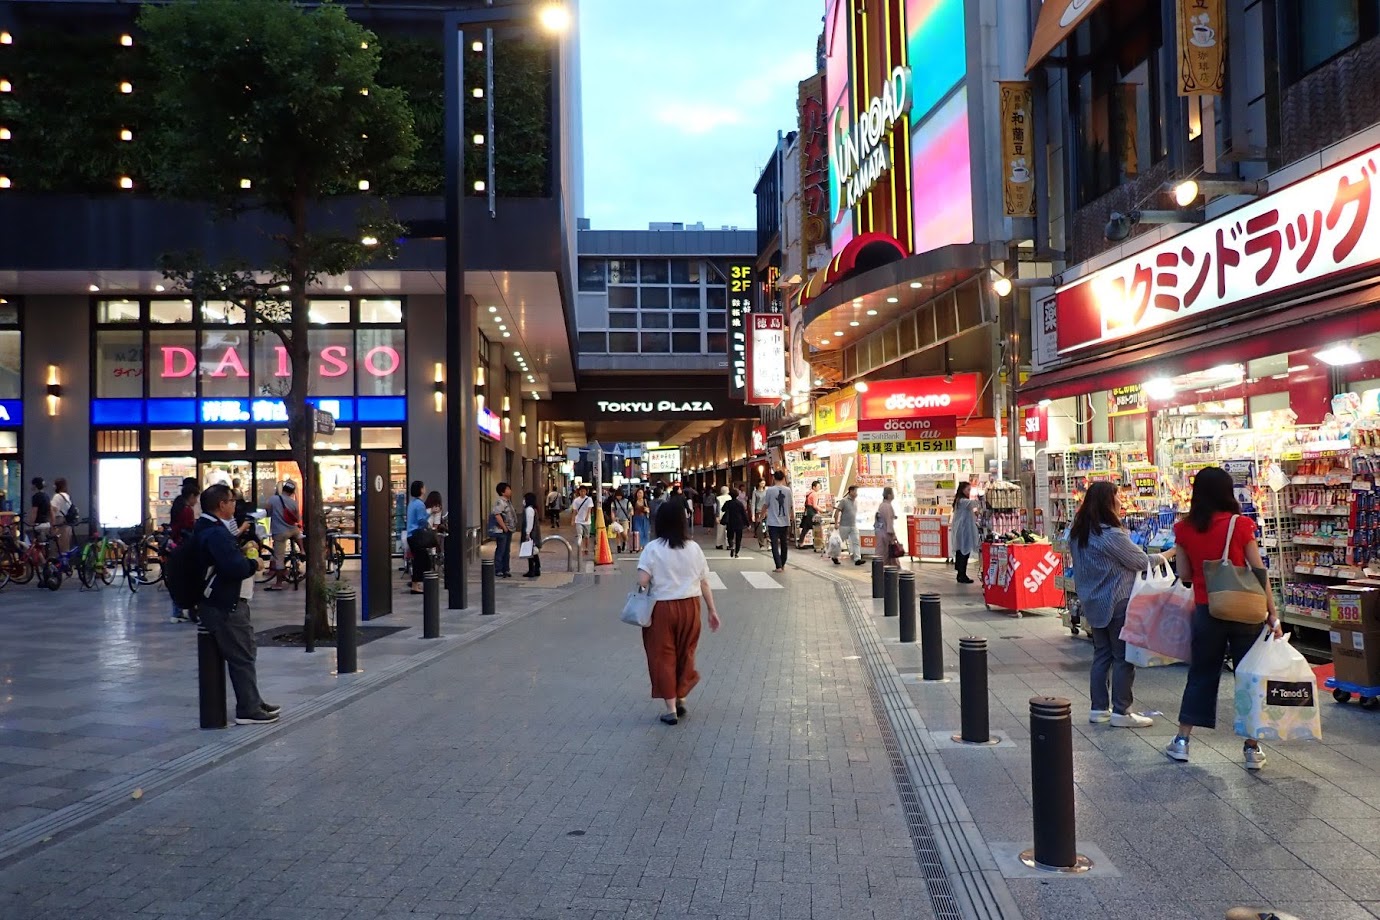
1021 576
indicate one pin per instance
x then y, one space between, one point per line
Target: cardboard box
1356 657
1354 607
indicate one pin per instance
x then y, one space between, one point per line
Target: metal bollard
878 569
907 589
431 606
1051 786
972 692
347 632
891 588
931 638
486 587
210 680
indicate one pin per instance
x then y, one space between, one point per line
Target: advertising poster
1018 175
169 487
766 364
1202 47
804 472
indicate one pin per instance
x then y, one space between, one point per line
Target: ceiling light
531 379
838 334
246 183
536 395
127 40
349 288
893 300
860 386
126 87
479 185
1160 388
517 354
916 284
126 182
493 309
126 134
159 288
819 381
854 323
364 185
93 288
1338 355
1044 403
507 335
1002 287
871 312
824 341
857 301
1185 193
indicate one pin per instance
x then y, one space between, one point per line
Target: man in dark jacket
224 612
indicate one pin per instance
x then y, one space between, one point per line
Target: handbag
895 550
637 611
1234 592
525 550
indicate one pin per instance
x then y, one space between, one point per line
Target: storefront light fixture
1339 355
893 300
127 40
476 46
126 135
159 288
1187 191
5 134
1119 225
126 87
860 386
479 185
479 140
477 92
364 185
1161 388
348 288
93 288
1227 370
1044 403
54 390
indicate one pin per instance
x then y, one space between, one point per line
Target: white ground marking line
716 582
762 580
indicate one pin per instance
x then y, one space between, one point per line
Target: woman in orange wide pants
674 571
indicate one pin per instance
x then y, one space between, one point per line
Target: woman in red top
1201 536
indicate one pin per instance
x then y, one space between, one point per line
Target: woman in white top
61 504
673 569
720 532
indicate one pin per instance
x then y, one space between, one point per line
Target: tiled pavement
526 776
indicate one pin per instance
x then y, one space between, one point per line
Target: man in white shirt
580 511
779 514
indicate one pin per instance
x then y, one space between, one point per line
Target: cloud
697 117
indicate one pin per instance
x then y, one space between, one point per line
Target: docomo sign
936 427
918 397
332 361
1316 228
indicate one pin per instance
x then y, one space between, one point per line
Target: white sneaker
1131 720
1177 749
1099 715
1254 756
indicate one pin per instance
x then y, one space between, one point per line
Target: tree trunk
302 434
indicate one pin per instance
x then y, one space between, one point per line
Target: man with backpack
208 571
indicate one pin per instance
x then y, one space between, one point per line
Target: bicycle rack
570 552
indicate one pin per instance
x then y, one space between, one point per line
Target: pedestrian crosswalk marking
716 582
761 580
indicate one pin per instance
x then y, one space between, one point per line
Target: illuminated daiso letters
332 361
928 401
860 154
4 414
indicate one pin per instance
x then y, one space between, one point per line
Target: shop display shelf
1322 510
1329 571
1306 540
1306 613
1333 481
1298 619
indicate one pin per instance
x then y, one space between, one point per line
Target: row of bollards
1051 725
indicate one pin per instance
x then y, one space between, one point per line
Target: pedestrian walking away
225 612
720 532
846 520
531 535
64 514
673 570
285 526
420 538
963 531
734 521
502 523
553 507
182 518
1213 529
884 526
778 513
1106 564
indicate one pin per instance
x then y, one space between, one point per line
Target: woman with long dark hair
673 569
1105 565
531 530
1215 526
963 531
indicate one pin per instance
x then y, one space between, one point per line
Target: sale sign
907 436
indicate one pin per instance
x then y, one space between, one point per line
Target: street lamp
462 432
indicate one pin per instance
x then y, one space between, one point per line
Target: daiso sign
918 397
175 361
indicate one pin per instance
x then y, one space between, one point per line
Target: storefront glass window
222 311
330 363
685 271
685 298
1318 31
655 271
380 439
170 439
225 439
267 364
340 440
324 312
623 271
379 363
171 366
380 311
657 298
9 442
119 364
225 362
117 311
9 313
624 319
656 320
622 297
170 311
9 365
274 439
592 275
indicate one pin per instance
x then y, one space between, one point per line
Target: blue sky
682 100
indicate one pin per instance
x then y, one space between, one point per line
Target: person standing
1215 529
846 520
420 539
733 519
502 523
641 523
1106 564
757 505
531 531
811 522
553 507
709 513
674 572
622 516
224 613
963 531
62 516
285 527
720 532
884 526
40 510
580 510
778 513
182 521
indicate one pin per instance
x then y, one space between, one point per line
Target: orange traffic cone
603 555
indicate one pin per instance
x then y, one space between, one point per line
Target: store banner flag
1202 46
935 434
766 359
1017 134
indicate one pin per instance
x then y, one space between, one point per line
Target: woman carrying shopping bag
674 571
1105 565
1213 538
531 535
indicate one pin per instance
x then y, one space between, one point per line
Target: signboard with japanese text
837 412
759 440
1317 229
766 362
936 434
1018 168
739 306
804 472
663 460
1036 428
918 397
1044 321
1127 400
1202 26
490 425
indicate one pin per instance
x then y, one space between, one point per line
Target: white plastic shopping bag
1276 693
1159 616
834 548
1144 658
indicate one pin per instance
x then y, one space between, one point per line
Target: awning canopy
1057 19
868 251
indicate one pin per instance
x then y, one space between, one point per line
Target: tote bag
637 611
1234 593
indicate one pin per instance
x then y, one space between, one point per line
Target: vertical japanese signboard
1202 46
1017 173
739 304
766 359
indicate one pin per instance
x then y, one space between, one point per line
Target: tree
267 106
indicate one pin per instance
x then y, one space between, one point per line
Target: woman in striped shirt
1105 566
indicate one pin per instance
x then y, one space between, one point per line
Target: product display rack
1069 471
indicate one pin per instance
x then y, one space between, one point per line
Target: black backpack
185 572
72 515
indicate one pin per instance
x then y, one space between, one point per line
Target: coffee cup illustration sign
1017 134
1202 47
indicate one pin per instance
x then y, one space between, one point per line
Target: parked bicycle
150 555
295 560
100 558
36 556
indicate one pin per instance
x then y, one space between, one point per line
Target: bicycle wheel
335 559
132 570
108 560
20 567
150 561
50 576
86 569
296 563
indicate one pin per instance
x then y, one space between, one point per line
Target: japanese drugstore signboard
1316 228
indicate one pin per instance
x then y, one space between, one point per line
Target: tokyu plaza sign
861 154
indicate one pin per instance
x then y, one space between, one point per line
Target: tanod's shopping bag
1159 616
1276 693
1144 658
